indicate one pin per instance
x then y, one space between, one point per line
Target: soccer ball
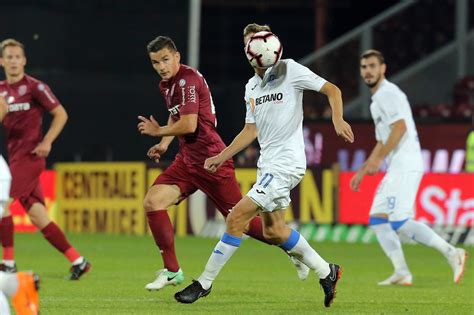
263 50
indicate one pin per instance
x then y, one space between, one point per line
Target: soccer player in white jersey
22 286
5 176
392 210
274 116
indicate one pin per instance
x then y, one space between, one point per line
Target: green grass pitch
259 279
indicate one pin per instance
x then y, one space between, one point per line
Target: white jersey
275 105
390 104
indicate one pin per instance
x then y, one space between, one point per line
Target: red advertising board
324 147
446 199
48 183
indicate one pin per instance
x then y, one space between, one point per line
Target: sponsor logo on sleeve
41 87
174 110
182 82
192 93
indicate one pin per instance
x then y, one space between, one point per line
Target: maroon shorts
26 186
221 187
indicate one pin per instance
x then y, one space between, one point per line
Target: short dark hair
373 53
10 42
255 28
159 43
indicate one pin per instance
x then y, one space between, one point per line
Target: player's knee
153 203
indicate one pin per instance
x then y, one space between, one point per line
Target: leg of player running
295 244
7 237
157 200
226 195
423 234
236 222
38 215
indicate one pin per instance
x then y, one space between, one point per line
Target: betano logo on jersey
276 98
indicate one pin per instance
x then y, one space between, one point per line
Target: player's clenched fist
213 163
148 126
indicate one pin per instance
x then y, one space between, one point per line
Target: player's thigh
404 196
38 215
272 189
396 195
162 196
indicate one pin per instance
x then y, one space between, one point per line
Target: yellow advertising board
101 197
108 198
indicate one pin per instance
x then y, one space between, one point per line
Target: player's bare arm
240 142
156 151
57 124
343 129
186 124
375 160
357 178
3 108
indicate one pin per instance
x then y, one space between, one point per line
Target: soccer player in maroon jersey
192 119
27 99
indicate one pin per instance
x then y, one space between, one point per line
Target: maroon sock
163 233
53 234
6 237
256 230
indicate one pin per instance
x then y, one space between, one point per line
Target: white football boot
457 262
164 278
398 279
301 268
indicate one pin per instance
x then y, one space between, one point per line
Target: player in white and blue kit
274 116
393 206
5 176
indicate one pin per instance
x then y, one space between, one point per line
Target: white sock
423 234
8 283
4 307
219 257
390 243
78 261
305 253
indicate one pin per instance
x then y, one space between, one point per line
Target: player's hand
42 149
157 151
343 129
213 163
356 180
148 127
373 165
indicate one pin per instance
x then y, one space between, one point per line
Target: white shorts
396 195
5 182
272 190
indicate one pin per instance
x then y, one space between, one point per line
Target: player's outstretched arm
3 108
57 124
186 124
343 129
240 142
